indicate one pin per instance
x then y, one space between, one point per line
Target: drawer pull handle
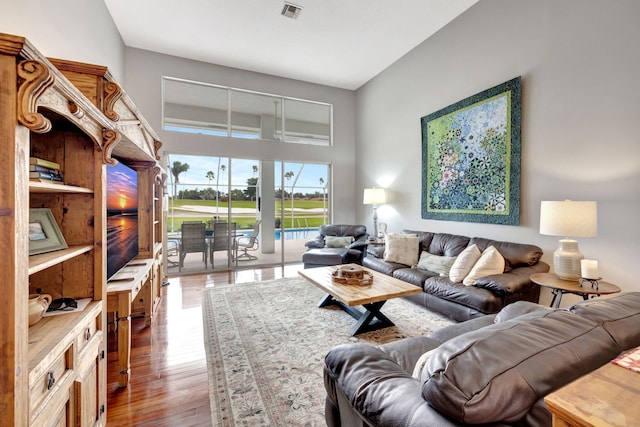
87 334
50 380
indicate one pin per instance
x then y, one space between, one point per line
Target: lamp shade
569 218
374 196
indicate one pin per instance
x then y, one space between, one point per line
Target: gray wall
579 64
77 30
144 70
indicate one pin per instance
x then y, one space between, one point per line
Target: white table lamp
375 197
568 218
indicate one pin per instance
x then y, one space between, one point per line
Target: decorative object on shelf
44 234
471 158
38 304
571 219
375 197
352 275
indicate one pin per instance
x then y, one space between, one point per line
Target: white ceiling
340 43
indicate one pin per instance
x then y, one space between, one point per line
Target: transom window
197 107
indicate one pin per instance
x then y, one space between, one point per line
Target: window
208 109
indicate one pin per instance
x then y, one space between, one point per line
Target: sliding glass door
253 212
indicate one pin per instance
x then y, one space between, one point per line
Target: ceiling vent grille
290 10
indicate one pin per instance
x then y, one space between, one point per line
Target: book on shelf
43 162
46 176
38 168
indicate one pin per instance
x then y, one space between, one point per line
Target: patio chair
223 238
192 240
248 244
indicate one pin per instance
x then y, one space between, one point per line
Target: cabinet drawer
89 330
52 384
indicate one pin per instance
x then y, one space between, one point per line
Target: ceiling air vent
290 10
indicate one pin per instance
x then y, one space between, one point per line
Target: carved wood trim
157 174
112 94
156 147
76 110
34 78
110 139
11 45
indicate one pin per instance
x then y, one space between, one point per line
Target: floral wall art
471 158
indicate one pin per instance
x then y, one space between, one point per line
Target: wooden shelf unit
54 372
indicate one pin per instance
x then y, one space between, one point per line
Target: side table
607 396
560 287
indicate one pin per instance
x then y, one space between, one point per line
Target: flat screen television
122 217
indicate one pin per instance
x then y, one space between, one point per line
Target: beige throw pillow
436 263
401 248
490 262
464 263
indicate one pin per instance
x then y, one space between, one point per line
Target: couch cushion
464 263
479 299
436 263
619 316
401 248
515 254
380 265
414 276
498 372
490 262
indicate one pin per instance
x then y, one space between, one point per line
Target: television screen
122 217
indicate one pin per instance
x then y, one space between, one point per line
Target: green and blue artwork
471 158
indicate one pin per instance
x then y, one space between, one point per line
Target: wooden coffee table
372 297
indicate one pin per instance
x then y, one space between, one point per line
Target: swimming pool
297 233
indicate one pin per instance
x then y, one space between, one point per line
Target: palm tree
210 175
220 168
177 168
324 196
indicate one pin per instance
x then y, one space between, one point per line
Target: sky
122 187
243 170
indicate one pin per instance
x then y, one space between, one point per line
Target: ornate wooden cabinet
54 372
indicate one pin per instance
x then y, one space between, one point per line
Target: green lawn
300 219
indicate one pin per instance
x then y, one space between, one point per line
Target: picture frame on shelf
44 234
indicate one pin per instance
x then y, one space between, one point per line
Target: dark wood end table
560 287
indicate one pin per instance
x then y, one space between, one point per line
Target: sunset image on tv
122 217
122 190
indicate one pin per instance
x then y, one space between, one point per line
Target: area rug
265 344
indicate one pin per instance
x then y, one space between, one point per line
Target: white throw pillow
436 263
491 262
401 248
421 363
464 263
337 241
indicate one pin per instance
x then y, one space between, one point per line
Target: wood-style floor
168 383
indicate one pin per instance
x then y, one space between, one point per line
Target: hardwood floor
169 384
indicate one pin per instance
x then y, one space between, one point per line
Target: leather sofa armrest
380 391
514 281
315 243
407 351
360 242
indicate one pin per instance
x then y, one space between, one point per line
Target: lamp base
566 260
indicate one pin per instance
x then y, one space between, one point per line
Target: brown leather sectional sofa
492 371
488 295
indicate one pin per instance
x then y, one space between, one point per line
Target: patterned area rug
266 342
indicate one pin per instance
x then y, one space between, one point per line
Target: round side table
560 287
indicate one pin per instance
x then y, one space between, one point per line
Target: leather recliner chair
323 251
